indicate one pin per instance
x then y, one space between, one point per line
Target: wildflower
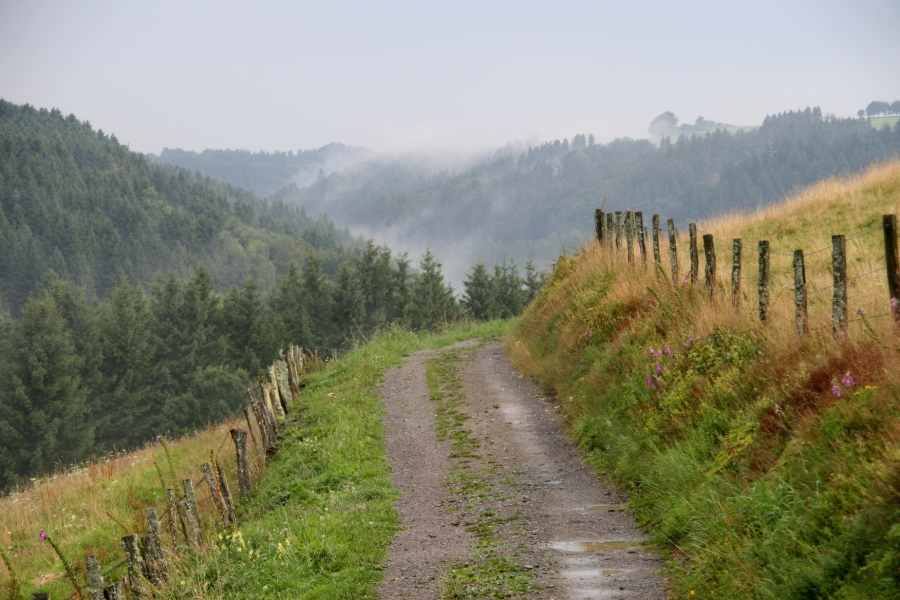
836 391
859 312
894 305
848 380
777 410
652 352
589 334
43 536
691 340
668 351
659 369
650 382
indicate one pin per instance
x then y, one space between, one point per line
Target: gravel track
550 514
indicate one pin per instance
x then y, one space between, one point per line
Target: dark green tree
479 293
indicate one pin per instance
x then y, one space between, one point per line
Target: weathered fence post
94 576
279 372
225 488
839 270
736 246
618 232
709 252
673 250
170 516
213 486
642 243
802 314
695 257
136 583
154 558
656 257
629 235
191 499
609 232
267 392
243 461
266 421
189 524
255 435
599 225
892 262
112 592
763 285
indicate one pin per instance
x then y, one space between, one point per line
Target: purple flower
894 305
652 352
836 391
859 312
848 380
691 340
589 334
650 382
659 369
668 351
43 536
777 410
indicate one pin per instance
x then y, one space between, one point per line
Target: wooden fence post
170 516
265 420
695 257
736 246
629 235
94 576
112 592
255 435
892 262
191 499
213 486
226 489
763 286
839 271
279 372
801 313
618 232
189 524
709 252
599 223
609 232
267 393
154 557
136 583
243 461
642 243
673 250
656 257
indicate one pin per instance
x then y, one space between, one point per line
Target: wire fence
765 279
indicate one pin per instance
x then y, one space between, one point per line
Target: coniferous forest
139 299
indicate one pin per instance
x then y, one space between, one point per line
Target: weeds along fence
179 528
623 235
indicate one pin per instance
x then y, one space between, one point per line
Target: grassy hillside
768 466
317 526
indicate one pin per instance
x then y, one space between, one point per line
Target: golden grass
84 511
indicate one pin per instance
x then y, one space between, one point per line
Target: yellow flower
691 592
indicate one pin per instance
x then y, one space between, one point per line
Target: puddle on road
583 546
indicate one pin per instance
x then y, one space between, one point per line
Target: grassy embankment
768 466
318 525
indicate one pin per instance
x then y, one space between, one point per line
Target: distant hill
264 172
78 205
527 205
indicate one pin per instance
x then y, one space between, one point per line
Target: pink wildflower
777 410
668 351
894 305
836 391
659 369
589 334
848 380
43 536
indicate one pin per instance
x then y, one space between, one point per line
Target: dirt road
502 507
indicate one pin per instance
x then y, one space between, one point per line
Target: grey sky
461 74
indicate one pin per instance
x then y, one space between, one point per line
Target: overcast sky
462 74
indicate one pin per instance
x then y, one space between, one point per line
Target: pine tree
433 301
289 310
247 327
479 296
317 301
349 307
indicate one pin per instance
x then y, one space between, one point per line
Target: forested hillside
77 205
527 205
263 172
141 299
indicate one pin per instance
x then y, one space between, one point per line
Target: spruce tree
479 296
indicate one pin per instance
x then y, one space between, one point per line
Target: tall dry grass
88 509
